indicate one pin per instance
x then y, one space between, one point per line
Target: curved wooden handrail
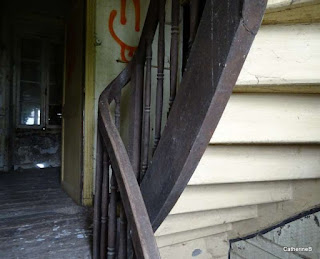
223 44
133 203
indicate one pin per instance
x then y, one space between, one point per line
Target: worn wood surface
39 220
182 145
89 103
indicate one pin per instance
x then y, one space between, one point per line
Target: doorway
42 66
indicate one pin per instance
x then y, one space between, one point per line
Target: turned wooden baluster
123 234
122 250
112 220
135 116
160 75
146 111
174 50
97 198
104 205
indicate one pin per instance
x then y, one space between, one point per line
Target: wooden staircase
139 183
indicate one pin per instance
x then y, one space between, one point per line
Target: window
40 83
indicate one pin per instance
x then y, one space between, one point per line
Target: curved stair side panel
224 37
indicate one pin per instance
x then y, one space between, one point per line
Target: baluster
112 220
97 198
174 50
160 75
135 116
122 252
146 112
104 205
123 234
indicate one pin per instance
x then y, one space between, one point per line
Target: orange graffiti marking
137 13
123 45
123 21
123 18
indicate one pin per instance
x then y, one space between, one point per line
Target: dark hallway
38 220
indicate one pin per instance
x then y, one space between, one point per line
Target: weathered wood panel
209 197
251 163
72 140
270 118
283 54
189 221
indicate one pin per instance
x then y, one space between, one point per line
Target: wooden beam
89 104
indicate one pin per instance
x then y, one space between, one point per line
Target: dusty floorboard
38 220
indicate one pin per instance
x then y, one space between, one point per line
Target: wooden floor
38 220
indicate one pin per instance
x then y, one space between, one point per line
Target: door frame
88 121
89 105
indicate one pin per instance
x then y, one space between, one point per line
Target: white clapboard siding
252 163
270 118
180 237
218 196
201 219
280 54
283 54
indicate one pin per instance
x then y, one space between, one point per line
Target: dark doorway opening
32 72
42 47
41 92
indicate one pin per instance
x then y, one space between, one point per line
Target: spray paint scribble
123 20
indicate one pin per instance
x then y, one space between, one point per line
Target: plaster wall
108 59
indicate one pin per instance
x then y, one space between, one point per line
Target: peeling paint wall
109 59
32 148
